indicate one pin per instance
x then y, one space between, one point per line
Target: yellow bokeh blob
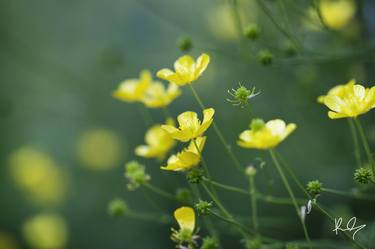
38 176
337 14
99 149
46 231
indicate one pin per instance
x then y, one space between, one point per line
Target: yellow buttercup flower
132 90
190 126
186 70
187 158
156 95
158 143
337 14
265 135
349 100
185 218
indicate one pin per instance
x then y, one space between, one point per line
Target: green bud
241 95
210 243
290 49
183 195
253 243
184 44
194 175
363 175
314 187
252 31
265 57
182 236
250 171
203 207
256 124
136 174
117 207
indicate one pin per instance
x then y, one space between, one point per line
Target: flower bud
252 31
184 44
250 171
210 243
241 95
136 174
253 243
314 187
194 175
265 57
117 207
203 207
363 175
290 49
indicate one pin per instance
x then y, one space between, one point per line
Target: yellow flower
187 158
46 231
190 126
158 143
265 136
132 90
349 100
185 218
156 95
337 14
186 70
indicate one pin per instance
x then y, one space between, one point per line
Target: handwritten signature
350 226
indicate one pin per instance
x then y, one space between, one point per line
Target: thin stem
291 194
365 144
231 221
350 195
159 191
253 197
227 147
357 151
164 219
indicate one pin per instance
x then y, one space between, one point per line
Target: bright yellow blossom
187 158
337 14
185 218
132 90
349 100
158 143
190 126
186 70
265 135
156 95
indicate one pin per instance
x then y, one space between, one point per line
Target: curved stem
253 197
357 151
159 191
350 195
291 194
227 147
365 144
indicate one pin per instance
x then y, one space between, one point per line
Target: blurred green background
61 60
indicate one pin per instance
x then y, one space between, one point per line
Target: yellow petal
185 217
188 120
169 75
359 92
335 115
276 126
334 103
185 66
202 63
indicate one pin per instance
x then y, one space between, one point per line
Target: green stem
365 144
253 196
357 151
227 147
164 219
159 191
146 115
350 195
233 222
300 185
291 194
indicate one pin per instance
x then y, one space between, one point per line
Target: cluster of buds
203 207
363 175
194 175
314 187
210 243
184 238
241 95
117 207
136 174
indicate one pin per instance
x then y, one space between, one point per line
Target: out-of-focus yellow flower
337 14
187 158
349 100
132 90
185 218
158 141
190 126
156 95
99 149
46 231
7 241
186 70
265 135
38 176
